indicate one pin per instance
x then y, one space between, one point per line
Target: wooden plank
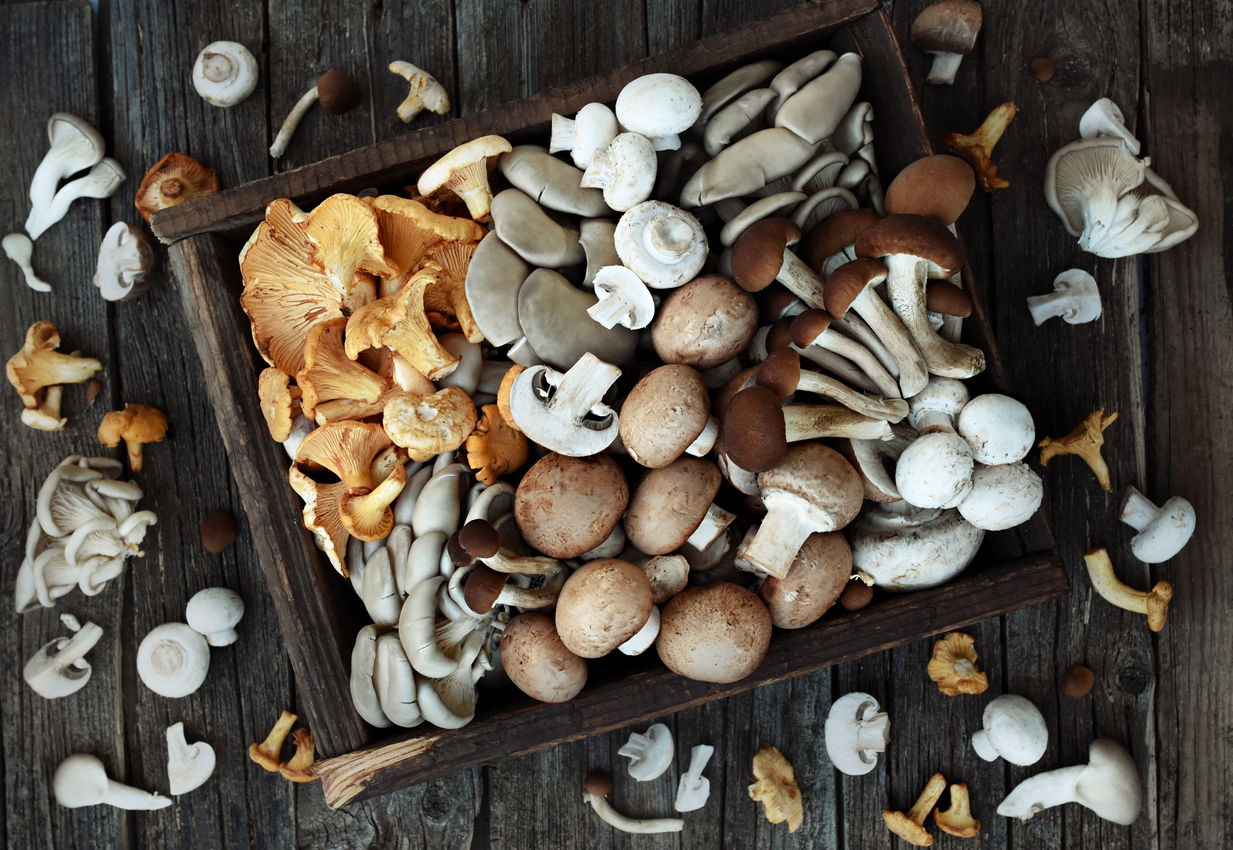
1186 129
647 689
394 161
38 734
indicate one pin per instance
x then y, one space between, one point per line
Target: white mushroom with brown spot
935 471
650 753
856 731
624 170
1014 729
214 613
225 73
173 660
1162 531
1075 298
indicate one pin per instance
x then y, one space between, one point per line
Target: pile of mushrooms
541 383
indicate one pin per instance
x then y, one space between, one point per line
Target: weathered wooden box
317 609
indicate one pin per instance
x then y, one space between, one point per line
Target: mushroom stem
853 326
906 278
814 421
20 250
780 536
862 357
1040 792
541 597
293 120
704 442
801 281
628 824
583 386
1138 510
980 743
913 372
1045 307
837 365
714 523
945 66
1154 603
892 410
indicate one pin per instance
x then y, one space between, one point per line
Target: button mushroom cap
624 170
173 660
705 323
1163 531
214 613
1075 298
817 577
81 780
592 129
1108 784
659 106
602 605
60 668
938 187
669 504
1014 729
935 471
902 547
650 754
662 244
856 731
565 506
947 30
717 633
998 428
1002 496
225 73
537 662
664 414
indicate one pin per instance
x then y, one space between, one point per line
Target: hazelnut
1078 681
217 531
1043 69
856 595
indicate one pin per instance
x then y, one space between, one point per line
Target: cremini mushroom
672 506
18 248
172 180
947 30
663 245
650 753
957 820
624 170
776 789
1075 298
81 780
666 414
1085 441
38 372
856 731
214 613
537 662
1154 603
425 92
188 765
693 789
124 262
338 93
75 146
1162 531
1014 729
1108 785
910 825
224 74
659 106
565 528
978 147
602 605
903 547
705 323
814 582
566 412
716 633
464 171
1104 118
60 668
136 425
953 666
856 596
591 130
173 660
938 187
598 786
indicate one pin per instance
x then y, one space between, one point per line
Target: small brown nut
856 595
1078 681
338 92
217 531
1043 69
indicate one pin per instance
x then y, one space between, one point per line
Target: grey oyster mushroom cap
854 133
75 146
553 315
790 80
935 471
856 731
816 109
494 276
1014 729
124 262
188 765
1163 531
173 660
60 667
736 120
662 244
81 780
659 106
820 204
1002 496
625 171
101 182
598 239
550 182
1075 298
998 428
1108 784
755 212
224 73
214 613
746 166
650 753
1104 119
363 689
592 129
902 547
532 234
394 682
565 412
523 354
734 85
821 172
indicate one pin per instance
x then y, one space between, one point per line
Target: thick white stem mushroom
102 181
1075 298
1108 785
905 283
1163 531
623 299
856 731
694 789
188 765
19 249
81 780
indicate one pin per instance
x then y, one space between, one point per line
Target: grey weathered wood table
1160 355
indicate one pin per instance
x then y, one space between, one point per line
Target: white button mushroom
625 170
188 765
566 412
694 789
214 613
1075 298
649 754
124 262
591 130
935 407
662 244
1014 729
998 428
225 73
935 470
60 668
18 248
173 660
855 733
1104 118
1163 531
1002 496
1108 785
81 780
659 106
902 547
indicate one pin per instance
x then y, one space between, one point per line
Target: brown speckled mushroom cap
663 414
537 662
565 506
834 233
942 296
950 26
814 582
754 433
668 504
914 235
716 633
706 322
602 605
758 255
847 282
819 475
935 186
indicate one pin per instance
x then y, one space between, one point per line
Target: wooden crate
320 614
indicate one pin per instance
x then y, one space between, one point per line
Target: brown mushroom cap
598 783
847 282
780 334
808 326
479 538
729 390
942 296
706 322
537 662
758 255
716 633
834 233
483 586
755 434
915 235
669 503
938 187
217 531
819 475
602 605
172 180
948 27
663 414
815 580
565 506
780 372
338 92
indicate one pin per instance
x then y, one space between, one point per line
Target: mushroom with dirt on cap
705 323
1014 729
814 582
948 31
425 93
603 604
464 171
1075 298
136 425
566 528
1108 785
672 506
856 731
624 170
717 633
1002 496
667 414
537 662
662 244
1163 530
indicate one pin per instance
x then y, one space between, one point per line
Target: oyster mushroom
1163 530
747 165
60 668
550 182
224 74
1103 118
425 93
816 108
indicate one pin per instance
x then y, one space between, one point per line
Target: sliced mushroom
565 412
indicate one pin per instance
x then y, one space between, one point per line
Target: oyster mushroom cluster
86 526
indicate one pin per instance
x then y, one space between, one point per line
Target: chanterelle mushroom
957 820
1085 441
38 371
172 180
776 788
136 425
953 666
1154 603
1108 784
910 825
425 93
977 147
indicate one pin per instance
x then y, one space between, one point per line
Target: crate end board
658 692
